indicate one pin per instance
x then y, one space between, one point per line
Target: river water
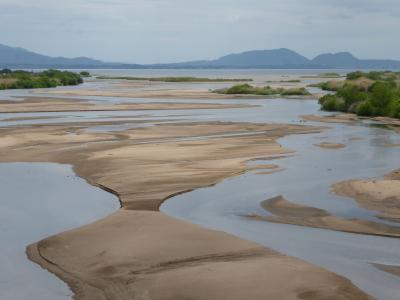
31 197
39 200
306 179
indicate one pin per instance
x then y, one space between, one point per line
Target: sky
155 31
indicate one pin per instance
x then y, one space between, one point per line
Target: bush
367 94
248 89
365 109
26 80
240 89
85 73
354 75
295 92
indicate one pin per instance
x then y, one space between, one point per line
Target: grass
30 80
246 89
178 79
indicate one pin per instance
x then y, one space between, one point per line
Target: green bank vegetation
366 94
85 74
247 89
324 75
177 79
284 81
30 80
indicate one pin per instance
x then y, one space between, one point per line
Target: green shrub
365 109
85 73
240 89
21 79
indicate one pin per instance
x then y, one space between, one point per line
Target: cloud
174 30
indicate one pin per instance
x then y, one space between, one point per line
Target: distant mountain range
11 57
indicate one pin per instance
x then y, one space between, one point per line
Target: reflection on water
39 200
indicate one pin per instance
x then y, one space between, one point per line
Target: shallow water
39 200
306 179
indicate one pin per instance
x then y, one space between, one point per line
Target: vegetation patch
284 81
247 89
323 75
85 74
177 79
31 80
366 94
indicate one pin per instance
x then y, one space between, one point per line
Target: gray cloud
174 30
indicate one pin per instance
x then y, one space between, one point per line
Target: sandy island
379 195
140 253
286 212
37 104
326 145
347 118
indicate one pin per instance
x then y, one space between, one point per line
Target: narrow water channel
38 200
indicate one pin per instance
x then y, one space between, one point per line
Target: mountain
11 57
260 58
345 60
21 58
341 60
285 59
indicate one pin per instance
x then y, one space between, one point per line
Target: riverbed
64 201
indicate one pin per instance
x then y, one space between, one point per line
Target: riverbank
139 252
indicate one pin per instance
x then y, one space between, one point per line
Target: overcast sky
149 31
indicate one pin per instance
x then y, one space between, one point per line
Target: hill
22 58
12 57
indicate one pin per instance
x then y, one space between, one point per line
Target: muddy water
38 200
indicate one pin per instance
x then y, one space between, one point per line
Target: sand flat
379 195
138 252
33 104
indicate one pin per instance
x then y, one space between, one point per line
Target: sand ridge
286 212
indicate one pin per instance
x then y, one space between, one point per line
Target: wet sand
287 212
347 118
138 252
37 104
335 118
382 195
326 145
159 93
395 270
165 91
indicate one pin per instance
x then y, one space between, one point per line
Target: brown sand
392 145
159 93
167 94
347 118
33 104
336 118
326 145
395 270
291 213
379 195
139 253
